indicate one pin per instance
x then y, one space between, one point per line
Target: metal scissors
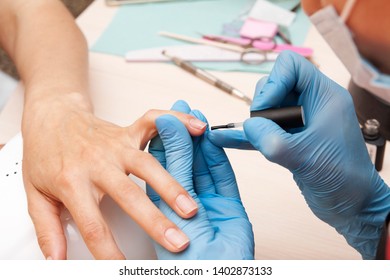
258 50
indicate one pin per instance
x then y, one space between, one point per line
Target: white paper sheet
267 11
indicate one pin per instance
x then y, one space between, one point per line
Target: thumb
272 141
178 149
156 149
257 103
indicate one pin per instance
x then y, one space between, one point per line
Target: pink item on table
270 46
253 29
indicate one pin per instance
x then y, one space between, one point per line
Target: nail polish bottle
375 142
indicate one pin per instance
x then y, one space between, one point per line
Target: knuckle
93 155
140 159
68 179
94 232
151 114
286 56
160 223
44 241
132 194
145 157
276 147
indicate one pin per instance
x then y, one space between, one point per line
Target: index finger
290 74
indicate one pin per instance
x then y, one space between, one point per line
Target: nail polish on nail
186 204
198 124
176 238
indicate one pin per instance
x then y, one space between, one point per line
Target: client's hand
76 159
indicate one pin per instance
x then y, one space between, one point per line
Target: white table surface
284 226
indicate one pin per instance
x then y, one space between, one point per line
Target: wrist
41 110
38 98
364 230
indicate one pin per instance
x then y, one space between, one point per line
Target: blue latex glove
328 158
220 229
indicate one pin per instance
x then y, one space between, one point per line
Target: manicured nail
176 238
198 124
186 204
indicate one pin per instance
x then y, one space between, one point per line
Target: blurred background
75 7
8 75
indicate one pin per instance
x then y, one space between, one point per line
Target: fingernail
176 238
49 258
186 204
198 124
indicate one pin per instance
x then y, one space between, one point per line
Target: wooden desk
284 226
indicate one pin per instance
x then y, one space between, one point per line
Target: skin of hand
71 158
328 157
220 229
80 159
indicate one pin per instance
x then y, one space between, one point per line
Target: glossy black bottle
375 143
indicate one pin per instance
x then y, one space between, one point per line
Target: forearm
48 49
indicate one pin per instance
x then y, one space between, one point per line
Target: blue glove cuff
363 232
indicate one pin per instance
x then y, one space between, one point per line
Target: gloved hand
220 229
328 158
